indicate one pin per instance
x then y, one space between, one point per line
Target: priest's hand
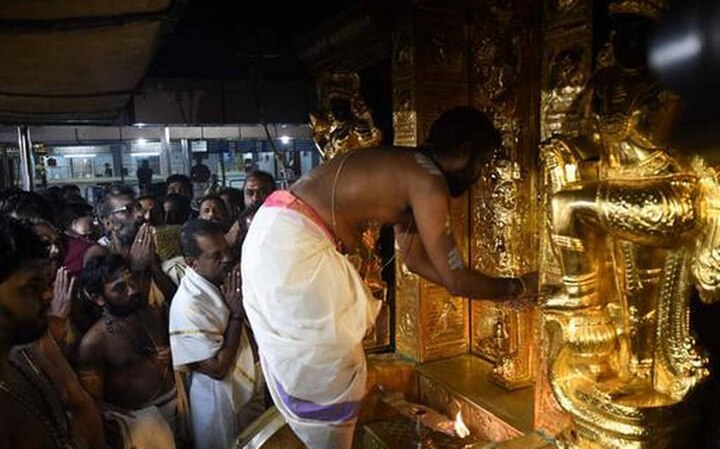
232 289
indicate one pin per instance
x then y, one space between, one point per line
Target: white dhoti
309 310
219 409
151 427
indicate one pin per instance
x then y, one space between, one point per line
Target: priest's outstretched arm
429 249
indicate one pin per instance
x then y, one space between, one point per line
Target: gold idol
632 232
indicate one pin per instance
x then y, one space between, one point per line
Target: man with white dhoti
209 339
309 308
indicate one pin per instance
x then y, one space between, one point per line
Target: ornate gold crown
652 9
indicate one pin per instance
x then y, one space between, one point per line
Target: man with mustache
210 339
38 390
131 237
124 359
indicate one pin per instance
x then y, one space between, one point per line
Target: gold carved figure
633 229
346 122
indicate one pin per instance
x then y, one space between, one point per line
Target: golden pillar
504 72
429 71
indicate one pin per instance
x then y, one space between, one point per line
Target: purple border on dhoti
342 411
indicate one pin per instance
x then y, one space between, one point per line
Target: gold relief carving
502 201
632 238
428 57
562 12
500 219
490 330
405 117
480 422
407 310
444 323
505 336
431 324
566 68
559 167
652 9
565 73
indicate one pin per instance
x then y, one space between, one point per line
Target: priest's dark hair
458 125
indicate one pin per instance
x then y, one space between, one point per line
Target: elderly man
308 306
209 337
133 238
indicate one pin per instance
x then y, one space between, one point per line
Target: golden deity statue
633 228
345 123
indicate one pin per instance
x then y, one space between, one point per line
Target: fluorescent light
678 51
146 154
138 125
79 156
285 140
141 141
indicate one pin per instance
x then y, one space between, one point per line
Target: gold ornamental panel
405 116
430 323
503 240
479 421
505 336
567 60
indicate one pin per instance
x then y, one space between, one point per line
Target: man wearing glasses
134 239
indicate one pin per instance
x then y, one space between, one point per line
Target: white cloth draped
219 409
309 310
146 428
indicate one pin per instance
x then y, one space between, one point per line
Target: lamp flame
461 429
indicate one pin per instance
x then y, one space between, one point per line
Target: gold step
462 384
